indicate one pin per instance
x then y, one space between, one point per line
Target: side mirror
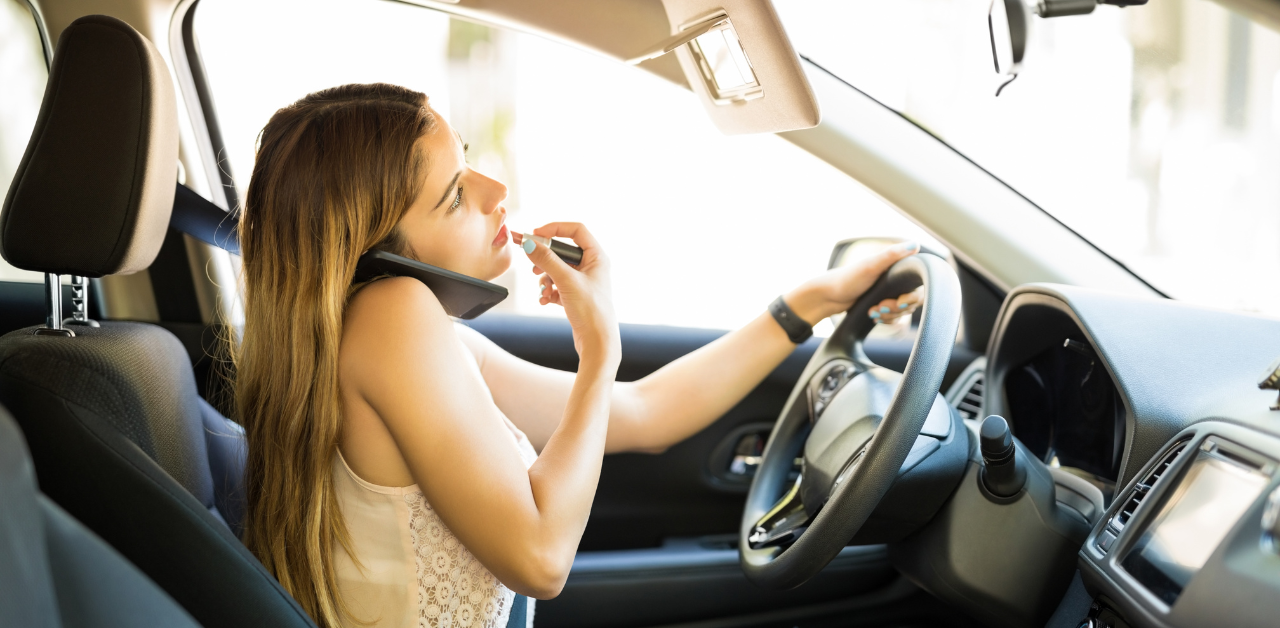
846 252
849 251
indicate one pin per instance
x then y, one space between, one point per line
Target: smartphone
462 296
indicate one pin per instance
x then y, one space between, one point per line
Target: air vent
969 405
1143 488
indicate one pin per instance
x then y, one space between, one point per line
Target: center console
1191 541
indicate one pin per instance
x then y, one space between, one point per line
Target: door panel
660 546
692 579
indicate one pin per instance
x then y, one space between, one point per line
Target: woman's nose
494 193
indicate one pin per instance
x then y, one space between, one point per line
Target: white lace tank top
416 574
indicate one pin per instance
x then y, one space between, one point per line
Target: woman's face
458 221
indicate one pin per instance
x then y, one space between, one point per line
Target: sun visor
737 57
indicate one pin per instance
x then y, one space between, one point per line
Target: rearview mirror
1007 23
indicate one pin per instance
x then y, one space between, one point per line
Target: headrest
94 190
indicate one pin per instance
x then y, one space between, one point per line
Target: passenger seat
54 572
117 432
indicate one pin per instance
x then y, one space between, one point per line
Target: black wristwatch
797 330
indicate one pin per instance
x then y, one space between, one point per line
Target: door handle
747 453
734 461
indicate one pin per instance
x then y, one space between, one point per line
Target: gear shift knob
1003 474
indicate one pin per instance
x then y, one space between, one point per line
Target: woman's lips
501 238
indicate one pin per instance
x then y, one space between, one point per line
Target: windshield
1153 131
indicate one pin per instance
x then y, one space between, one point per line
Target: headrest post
80 303
53 300
53 304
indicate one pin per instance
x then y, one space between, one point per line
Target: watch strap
797 329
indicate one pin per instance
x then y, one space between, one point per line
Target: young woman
392 478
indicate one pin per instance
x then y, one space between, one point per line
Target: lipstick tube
565 251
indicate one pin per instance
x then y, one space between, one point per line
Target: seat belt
204 221
519 617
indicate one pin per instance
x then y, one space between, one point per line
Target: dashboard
1157 403
1193 542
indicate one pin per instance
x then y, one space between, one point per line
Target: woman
392 477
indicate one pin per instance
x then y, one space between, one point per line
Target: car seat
54 572
118 434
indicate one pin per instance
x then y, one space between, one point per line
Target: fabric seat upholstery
119 439
54 572
117 432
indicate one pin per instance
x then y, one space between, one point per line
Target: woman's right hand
584 292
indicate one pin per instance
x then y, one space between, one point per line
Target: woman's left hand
890 310
835 291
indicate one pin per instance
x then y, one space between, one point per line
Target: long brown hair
334 174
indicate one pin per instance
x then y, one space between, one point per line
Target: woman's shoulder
394 314
399 300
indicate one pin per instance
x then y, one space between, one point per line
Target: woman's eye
457 200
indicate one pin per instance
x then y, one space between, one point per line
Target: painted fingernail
884 309
528 245
874 315
909 245
542 288
902 306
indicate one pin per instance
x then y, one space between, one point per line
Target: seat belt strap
519 617
204 221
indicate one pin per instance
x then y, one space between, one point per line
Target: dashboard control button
826 385
1105 540
830 384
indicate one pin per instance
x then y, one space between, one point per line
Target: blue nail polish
874 315
528 246
542 288
885 309
902 306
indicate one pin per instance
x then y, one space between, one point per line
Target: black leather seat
117 432
54 572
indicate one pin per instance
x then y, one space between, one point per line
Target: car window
1153 131
23 74
703 229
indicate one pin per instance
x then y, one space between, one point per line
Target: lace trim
454 589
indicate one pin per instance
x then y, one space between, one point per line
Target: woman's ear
397 244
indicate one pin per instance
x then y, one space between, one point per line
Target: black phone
462 296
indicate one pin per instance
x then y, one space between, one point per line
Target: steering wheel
853 423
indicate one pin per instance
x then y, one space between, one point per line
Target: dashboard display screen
1193 521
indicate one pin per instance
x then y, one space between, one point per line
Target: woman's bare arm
651 414
417 410
685 396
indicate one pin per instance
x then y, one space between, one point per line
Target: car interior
1056 438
